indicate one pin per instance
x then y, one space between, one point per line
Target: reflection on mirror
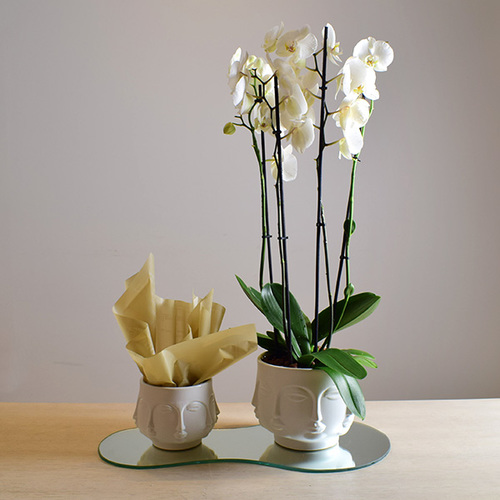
154 456
335 457
361 446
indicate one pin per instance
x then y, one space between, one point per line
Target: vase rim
176 387
296 368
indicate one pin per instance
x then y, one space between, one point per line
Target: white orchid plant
276 99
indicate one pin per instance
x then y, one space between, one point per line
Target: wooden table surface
440 449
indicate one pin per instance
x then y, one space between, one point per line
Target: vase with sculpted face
176 418
301 406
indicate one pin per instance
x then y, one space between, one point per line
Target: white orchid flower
246 88
332 46
236 79
344 149
297 45
258 67
238 60
374 53
358 78
309 82
293 106
238 92
354 140
271 38
261 69
296 89
351 117
261 117
293 102
301 134
288 165
287 76
352 113
264 72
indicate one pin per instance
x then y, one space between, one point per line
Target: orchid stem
263 207
327 269
265 233
320 220
265 244
346 239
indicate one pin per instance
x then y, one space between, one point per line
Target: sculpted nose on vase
180 431
151 426
276 422
317 426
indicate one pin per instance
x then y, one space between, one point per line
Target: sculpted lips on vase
180 435
317 429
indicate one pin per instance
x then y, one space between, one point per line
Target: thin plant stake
282 237
320 220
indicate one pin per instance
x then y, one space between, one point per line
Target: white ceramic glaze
335 457
300 406
176 418
154 456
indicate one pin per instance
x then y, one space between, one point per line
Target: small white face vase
301 406
176 418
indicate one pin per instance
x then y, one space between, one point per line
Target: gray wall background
112 147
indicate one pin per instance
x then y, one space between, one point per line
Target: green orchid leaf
349 390
306 361
274 314
340 361
297 317
369 363
357 352
278 339
309 328
254 295
272 304
276 336
362 357
357 308
271 308
266 342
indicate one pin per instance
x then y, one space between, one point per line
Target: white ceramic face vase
176 418
301 406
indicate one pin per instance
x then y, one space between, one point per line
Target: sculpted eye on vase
176 418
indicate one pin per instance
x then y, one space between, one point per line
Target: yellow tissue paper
177 343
